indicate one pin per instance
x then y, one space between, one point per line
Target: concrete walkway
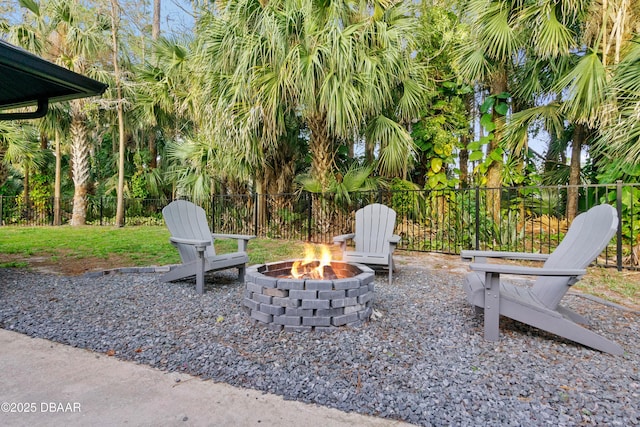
65 386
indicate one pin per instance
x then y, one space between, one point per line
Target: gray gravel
423 361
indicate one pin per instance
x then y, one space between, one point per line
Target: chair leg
492 307
200 273
241 271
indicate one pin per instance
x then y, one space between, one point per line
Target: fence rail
526 219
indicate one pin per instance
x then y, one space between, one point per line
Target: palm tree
56 124
621 139
77 45
23 152
115 28
571 47
161 115
68 34
14 147
487 60
338 66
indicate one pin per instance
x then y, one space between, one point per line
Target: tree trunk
579 134
153 149
464 162
494 172
155 26
115 7
469 101
351 147
57 218
322 161
155 35
80 162
261 206
27 189
322 152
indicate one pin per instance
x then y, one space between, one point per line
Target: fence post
212 213
619 232
477 222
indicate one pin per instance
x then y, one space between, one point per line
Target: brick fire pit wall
308 304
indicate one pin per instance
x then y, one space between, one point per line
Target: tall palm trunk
261 207
80 162
322 157
494 172
57 219
155 26
115 17
27 189
321 147
579 134
155 35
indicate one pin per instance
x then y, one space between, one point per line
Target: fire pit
309 295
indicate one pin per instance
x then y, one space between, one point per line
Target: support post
477 222
492 306
619 232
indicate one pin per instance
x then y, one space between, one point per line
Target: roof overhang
28 80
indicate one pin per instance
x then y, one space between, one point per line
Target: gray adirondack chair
190 234
539 305
374 239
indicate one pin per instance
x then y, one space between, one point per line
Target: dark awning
27 80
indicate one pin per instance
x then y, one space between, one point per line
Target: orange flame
312 267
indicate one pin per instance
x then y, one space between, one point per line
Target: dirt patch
431 261
67 266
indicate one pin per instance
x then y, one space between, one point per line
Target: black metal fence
528 219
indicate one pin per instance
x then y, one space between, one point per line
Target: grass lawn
77 249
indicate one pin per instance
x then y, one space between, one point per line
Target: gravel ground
422 361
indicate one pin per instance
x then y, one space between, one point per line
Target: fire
312 267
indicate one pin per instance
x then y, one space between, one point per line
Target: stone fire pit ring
288 304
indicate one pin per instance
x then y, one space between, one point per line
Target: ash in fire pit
275 297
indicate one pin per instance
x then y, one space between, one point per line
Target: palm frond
397 147
497 32
516 131
585 86
551 38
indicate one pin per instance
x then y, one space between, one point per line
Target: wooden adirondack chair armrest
341 240
393 242
243 239
481 256
527 271
343 237
395 239
199 244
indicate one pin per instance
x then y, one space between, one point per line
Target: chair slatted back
186 220
588 235
375 224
